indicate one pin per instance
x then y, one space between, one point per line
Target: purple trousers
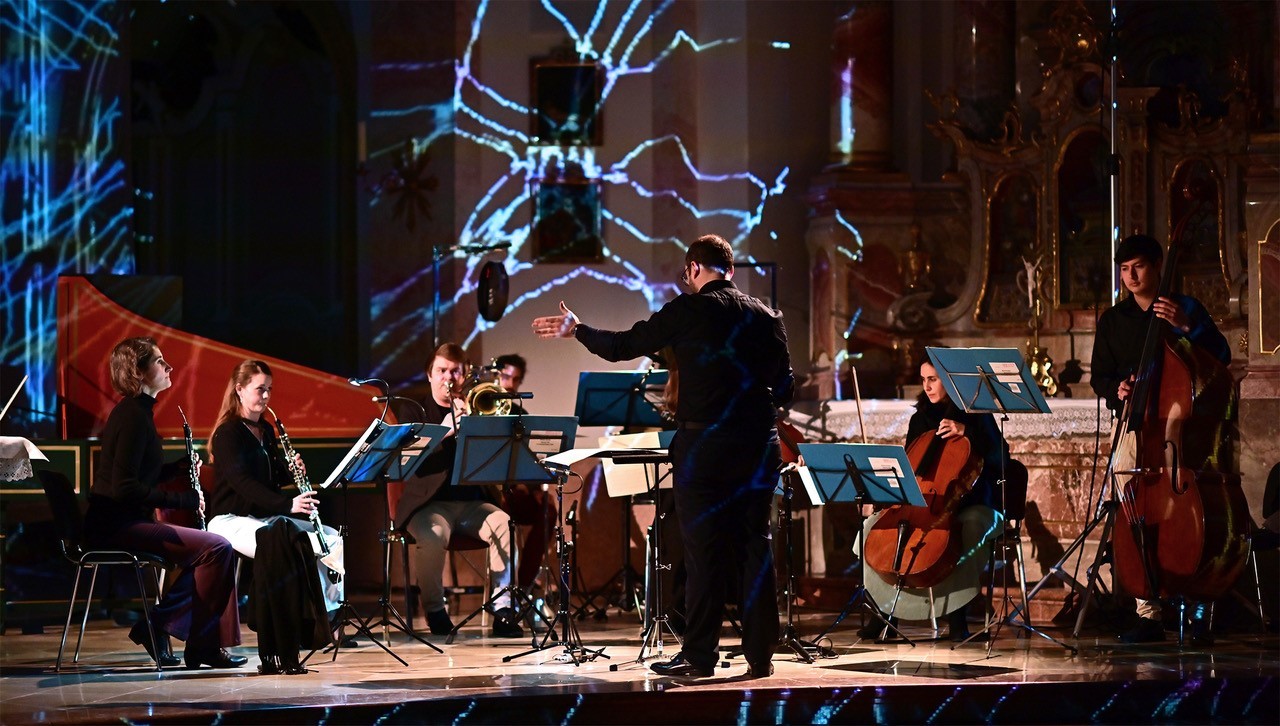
200 606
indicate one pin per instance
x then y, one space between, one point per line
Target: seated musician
977 516
433 506
530 506
251 473
199 606
1117 351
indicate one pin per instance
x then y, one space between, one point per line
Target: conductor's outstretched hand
556 326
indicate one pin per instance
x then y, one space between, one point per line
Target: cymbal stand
571 641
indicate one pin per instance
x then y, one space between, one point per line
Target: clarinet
193 459
303 483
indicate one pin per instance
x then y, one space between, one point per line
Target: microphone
511 394
381 384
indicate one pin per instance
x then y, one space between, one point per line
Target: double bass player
1117 351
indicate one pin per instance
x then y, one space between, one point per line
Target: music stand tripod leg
574 650
658 617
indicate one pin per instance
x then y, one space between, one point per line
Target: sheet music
810 486
351 454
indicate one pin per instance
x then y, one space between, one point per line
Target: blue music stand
861 474
392 450
993 380
383 452
620 398
507 450
988 380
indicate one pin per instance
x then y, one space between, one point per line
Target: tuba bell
483 400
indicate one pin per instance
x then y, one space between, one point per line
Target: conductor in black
735 371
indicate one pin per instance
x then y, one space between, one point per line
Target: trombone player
432 508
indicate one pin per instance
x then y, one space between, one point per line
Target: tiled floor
116 681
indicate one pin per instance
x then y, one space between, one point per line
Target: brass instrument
193 465
303 482
488 399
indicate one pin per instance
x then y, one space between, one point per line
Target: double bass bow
1185 528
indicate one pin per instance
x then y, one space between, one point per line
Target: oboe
303 482
193 464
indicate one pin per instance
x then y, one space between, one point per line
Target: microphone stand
438 254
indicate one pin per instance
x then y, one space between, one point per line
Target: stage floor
1022 680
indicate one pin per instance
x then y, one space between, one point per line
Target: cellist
977 515
1117 350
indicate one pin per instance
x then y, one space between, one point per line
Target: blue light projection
66 207
500 214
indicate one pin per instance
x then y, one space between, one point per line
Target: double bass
920 546
1185 518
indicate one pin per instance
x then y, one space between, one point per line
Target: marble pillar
862 87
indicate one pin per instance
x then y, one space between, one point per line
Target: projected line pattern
62 178
497 214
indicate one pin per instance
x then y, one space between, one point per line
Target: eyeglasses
684 274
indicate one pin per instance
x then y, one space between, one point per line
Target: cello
919 546
1186 515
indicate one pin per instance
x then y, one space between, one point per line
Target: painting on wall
566 222
566 103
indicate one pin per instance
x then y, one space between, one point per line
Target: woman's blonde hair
240 376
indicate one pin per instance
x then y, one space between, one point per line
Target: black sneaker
439 622
505 624
1147 630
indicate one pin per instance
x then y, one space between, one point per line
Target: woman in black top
977 514
200 606
252 472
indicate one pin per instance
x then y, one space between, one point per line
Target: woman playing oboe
251 471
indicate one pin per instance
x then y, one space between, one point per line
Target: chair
70 523
458 543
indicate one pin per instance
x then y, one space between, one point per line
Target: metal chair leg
1022 580
408 583
1257 588
84 622
146 615
66 628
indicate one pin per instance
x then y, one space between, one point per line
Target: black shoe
875 627
505 624
680 668
215 658
439 622
760 670
138 634
1146 631
349 642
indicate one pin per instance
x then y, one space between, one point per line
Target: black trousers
724 484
